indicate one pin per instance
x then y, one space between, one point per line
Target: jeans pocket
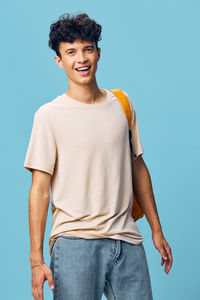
54 246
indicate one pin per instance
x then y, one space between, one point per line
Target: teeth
84 68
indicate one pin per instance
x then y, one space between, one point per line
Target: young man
79 147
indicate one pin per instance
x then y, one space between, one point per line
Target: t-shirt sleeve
41 152
137 146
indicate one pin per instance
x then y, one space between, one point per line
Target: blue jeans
85 269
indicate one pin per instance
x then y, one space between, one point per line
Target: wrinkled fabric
87 269
85 147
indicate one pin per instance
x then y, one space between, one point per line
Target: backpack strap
127 110
137 211
124 103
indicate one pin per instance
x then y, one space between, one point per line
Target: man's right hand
39 275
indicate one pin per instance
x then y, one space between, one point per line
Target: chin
86 80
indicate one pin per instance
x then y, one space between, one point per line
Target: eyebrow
74 48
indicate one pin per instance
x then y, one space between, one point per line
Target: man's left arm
142 187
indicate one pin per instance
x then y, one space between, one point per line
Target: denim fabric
85 269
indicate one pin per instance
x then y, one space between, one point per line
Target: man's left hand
162 246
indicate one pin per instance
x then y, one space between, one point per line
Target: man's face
76 55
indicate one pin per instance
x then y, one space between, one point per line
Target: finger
169 260
40 292
169 252
35 293
162 261
162 251
49 276
169 264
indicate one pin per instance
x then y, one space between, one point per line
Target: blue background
151 50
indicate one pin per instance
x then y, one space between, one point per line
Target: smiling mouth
83 70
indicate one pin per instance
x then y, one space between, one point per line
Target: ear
59 61
99 53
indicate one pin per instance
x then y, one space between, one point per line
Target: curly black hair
69 29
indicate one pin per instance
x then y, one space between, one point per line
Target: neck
85 93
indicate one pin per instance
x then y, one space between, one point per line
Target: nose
81 57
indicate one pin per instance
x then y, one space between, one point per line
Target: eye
70 52
89 49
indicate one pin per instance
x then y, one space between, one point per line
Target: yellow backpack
137 211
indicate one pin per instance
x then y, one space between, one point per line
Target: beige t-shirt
85 147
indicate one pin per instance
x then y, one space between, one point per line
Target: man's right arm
38 209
